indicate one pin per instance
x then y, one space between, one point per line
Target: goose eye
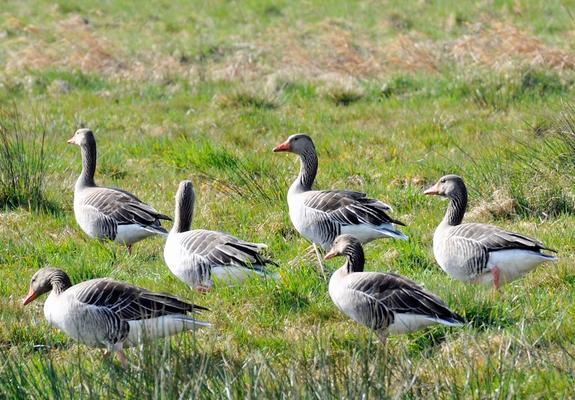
442 181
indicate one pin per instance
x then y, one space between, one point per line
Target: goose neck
89 155
184 211
355 258
60 282
308 169
456 208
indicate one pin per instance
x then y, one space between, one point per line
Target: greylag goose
110 314
478 252
321 215
384 302
110 213
195 255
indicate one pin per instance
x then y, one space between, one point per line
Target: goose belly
181 263
231 275
160 327
75 321
452 263
311 225
132 233
513 264
348 302
405 323
88 221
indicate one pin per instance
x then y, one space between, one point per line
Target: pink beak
433 190
29 297
285 146
330 254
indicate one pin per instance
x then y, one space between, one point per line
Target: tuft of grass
248 99
23 164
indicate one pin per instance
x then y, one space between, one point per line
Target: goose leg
496 277
319 260
382 338
129 247
122 356
203 289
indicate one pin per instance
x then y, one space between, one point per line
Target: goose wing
121 206
129 302
400 295
350 208
225 250
494 238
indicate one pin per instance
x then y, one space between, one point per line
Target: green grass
203 91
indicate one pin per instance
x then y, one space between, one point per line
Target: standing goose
194 255
110 314
110 213
320 216
386 303
478 252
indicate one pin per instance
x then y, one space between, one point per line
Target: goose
109 314
384 302
110 213
321 215
480 253
195 255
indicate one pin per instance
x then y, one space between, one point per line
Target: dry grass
330 48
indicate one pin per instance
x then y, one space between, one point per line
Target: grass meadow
395 94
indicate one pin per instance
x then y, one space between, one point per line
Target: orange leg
203 289
496 276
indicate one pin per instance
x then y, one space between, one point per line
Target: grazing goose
110 314
195 255
478 252
110 213
321 215
386 303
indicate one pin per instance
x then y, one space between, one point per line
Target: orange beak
285 146
29 297
71 141
433 190
330 254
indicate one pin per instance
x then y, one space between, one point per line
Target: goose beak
434 190
285 146
29 297
330 254
71 141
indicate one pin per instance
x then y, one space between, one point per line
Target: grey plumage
480 252
320 216
384 302
194 255
110 213
107 313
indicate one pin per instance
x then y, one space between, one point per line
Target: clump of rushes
22 161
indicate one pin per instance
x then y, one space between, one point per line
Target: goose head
447 186
342 245
82 137
299 143
44 281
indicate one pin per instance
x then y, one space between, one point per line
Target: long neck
355 258
184 210
60 281
86 178
456 208
308 169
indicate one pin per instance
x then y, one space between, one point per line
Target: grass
394 97
23 162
